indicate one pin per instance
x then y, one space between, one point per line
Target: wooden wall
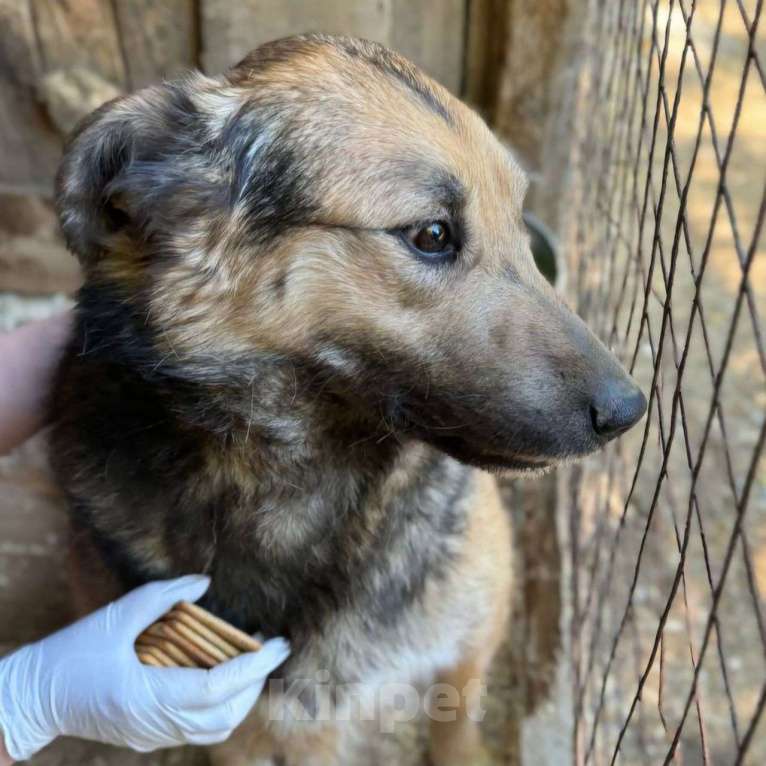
430 32
59 59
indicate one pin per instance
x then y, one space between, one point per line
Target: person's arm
86 681
28 359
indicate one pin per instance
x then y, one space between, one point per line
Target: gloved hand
86 681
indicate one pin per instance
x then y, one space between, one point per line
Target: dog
311 330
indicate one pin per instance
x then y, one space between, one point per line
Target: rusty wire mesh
667 536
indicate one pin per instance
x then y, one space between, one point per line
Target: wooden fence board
430 32
158 38
485 39
29 146
230 30
79 34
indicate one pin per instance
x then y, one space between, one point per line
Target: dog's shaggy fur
275 382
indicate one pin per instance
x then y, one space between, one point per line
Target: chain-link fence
668 535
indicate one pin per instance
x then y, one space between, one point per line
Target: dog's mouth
533 453
522 464
517 464
488 460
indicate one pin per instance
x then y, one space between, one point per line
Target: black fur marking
116 555
383 60
444 187
113 330
511 273
412 515
279 285
270 178
422 91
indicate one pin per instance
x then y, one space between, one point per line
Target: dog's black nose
617 405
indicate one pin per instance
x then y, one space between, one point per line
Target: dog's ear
99 149
132 168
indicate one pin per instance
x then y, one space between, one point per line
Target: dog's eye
433 238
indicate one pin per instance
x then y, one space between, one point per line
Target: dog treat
190 637
216 640
234 636
198 640
172 650
147 659
163 659
166 630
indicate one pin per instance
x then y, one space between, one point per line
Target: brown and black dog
310 314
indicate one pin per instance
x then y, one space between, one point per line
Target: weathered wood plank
79 34
431 33
33 258
485 53
29 146
71 94
534 41
158 37
33 586
37 39
230 30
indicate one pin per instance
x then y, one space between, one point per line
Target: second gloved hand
86 681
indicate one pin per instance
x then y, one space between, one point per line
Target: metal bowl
544 250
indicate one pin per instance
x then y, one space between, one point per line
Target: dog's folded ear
99 149
131 169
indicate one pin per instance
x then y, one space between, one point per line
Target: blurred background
638 634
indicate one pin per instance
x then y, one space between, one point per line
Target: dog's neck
276 424
259 472
286 443
286 420
311 498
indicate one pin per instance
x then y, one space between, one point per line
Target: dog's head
326 203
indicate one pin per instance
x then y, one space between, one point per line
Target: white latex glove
86 681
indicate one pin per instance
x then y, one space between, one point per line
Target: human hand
86 681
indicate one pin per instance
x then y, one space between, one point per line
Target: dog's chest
295 570
355 661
